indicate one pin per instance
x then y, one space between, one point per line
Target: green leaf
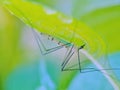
63 27
103 16
54 23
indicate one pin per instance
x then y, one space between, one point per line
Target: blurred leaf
10 50
99 20
103 16
36 17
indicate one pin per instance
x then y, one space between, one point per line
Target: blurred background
23 68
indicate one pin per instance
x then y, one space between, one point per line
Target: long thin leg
79 62
45 50
36 38
82 70
66 61
67 55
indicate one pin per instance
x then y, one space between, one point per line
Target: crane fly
65 31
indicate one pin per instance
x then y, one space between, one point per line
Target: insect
66 30
68 33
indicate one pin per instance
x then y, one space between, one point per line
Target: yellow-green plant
64 28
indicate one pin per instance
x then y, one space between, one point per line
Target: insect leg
41 45
69 55
56 48
78 51
79 60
